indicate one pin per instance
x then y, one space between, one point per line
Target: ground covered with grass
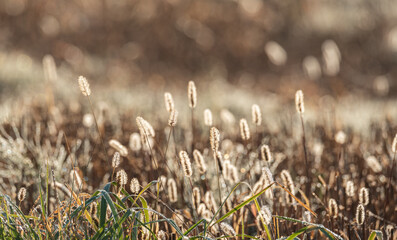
200 160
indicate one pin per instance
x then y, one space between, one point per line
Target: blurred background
324 47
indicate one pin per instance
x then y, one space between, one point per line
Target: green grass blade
302 230
376 234
242 204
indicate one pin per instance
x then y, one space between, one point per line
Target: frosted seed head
84 86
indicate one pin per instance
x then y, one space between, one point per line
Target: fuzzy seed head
207 117
232 174
134 186
121 177
300 107
199 159
307 216
173 118
340 137
258 186
267 175
49 67
207 215
196 198
209 201
350 189
116 160
201 208
266 154
374 164
227 117
360 214
333 208
363 196
135 142
287 181
227 229
146 130
75 176
276 54
394 145
312 67
192 94
161 235
21 194
84 86
215 137
244 129
266 214
186 164
172 190
169 101
256 115
119 147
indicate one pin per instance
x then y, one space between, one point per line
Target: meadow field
198 119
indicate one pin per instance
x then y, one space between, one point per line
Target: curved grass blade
242 204
299 201
302 230
193 227
330 234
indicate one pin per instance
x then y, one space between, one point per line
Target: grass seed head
256 115
233 174
199 159
75 177
169 101
394 145
333 208
227 229
276 54
300 106
146 130
161 235
192 94
186 164
360 214
266 214
214 138
196 198
121 177
173 118
244 129
21 194
311 67
135 142
350 189
119 147
116 160
201 208
268 176
307 216
363 196
172 190
374 164
266 154
207 117
49 68
134 186
287 181
209 200
84 86
340 137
